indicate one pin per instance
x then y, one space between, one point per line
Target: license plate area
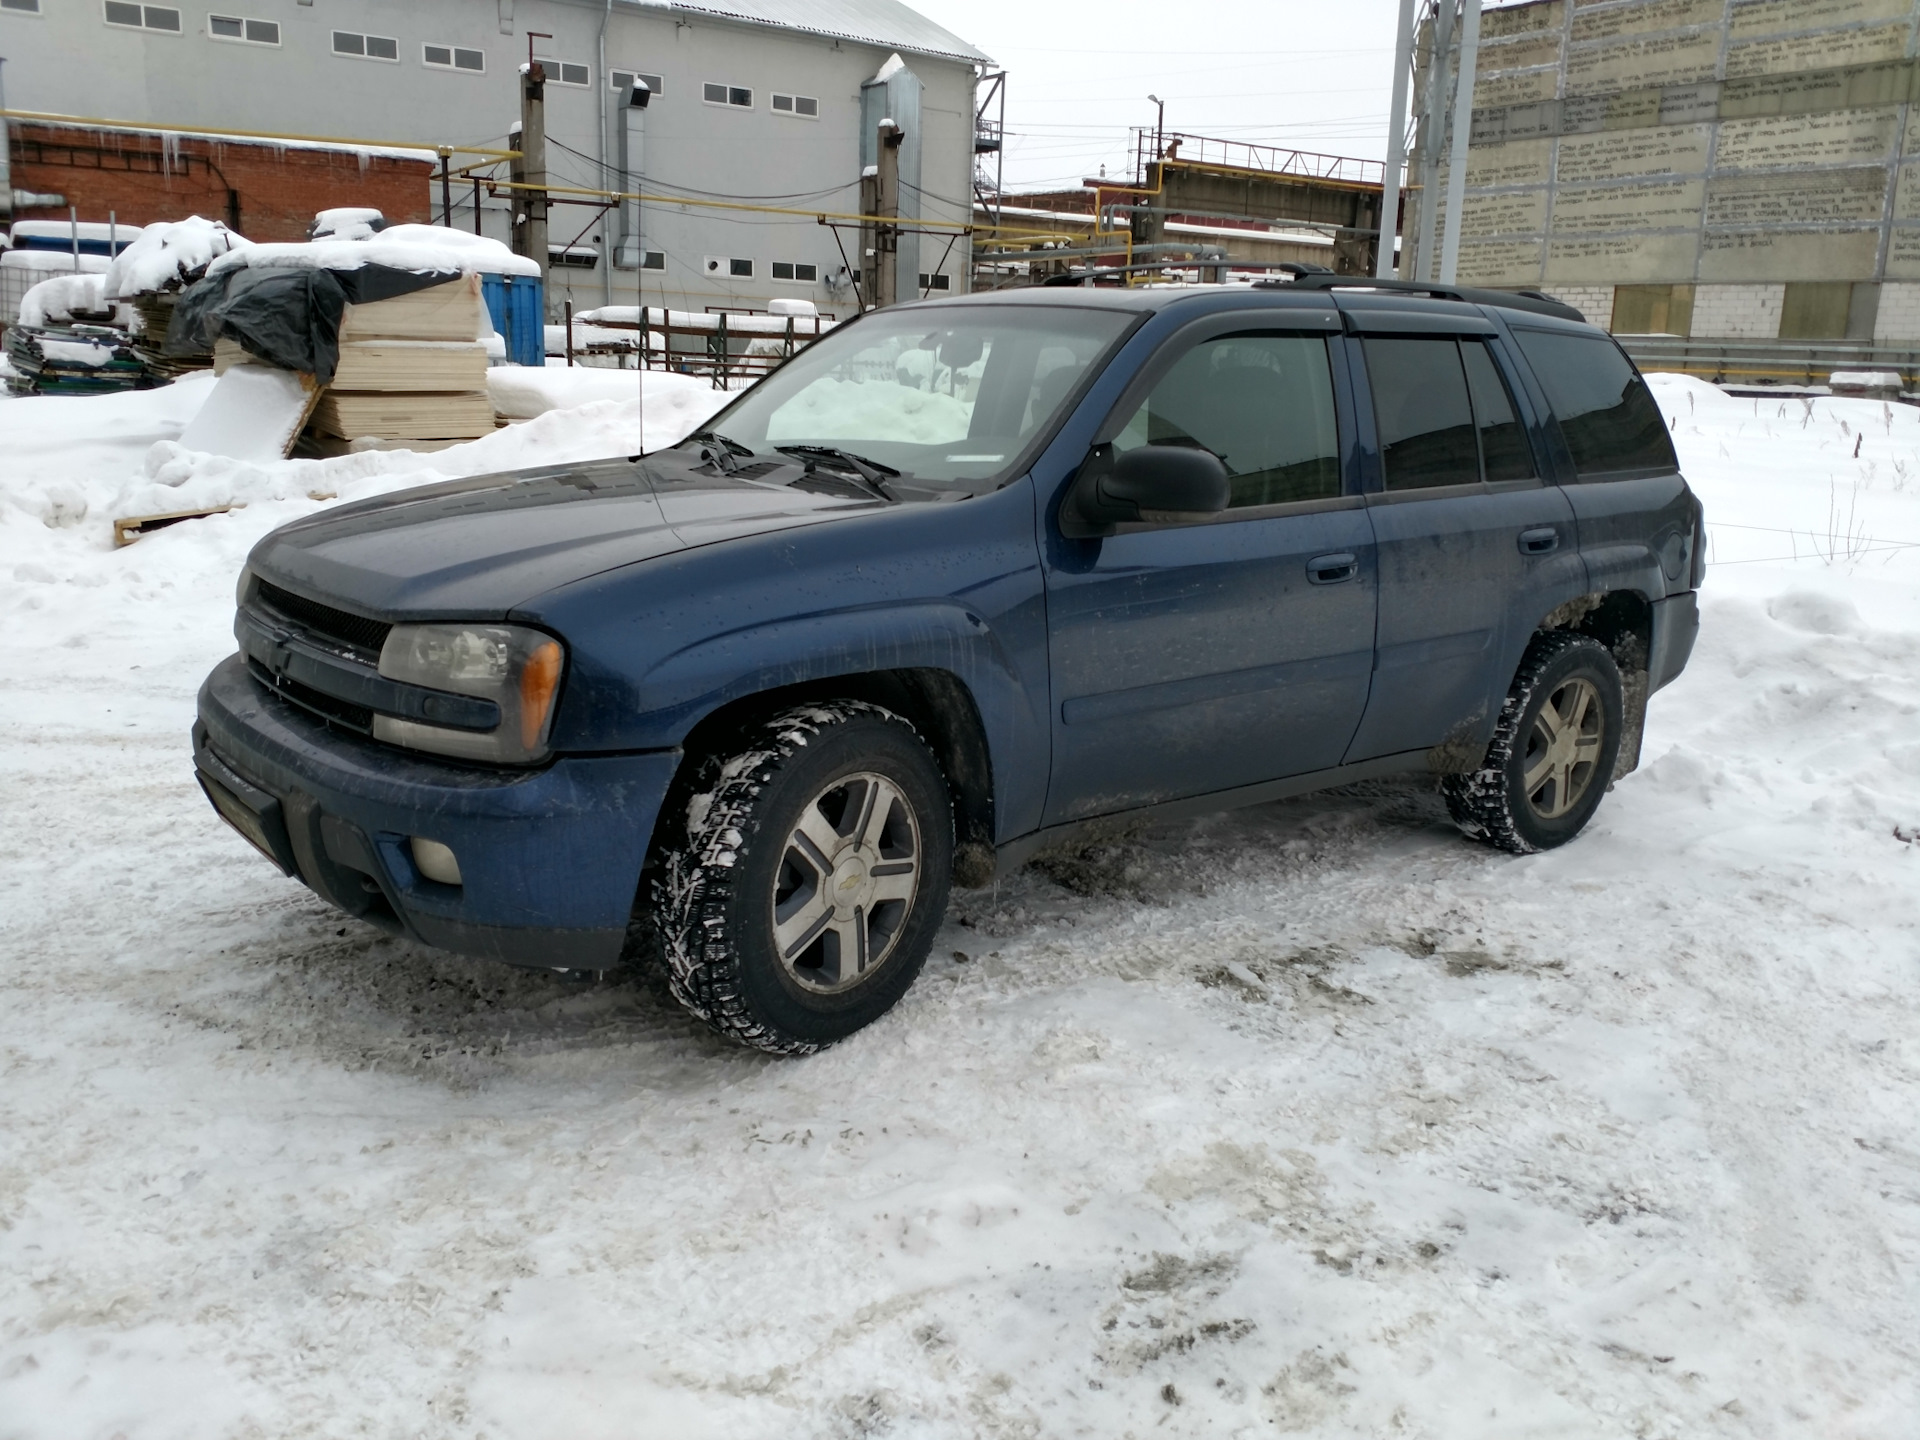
254 813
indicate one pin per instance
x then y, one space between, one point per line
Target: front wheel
1553 751
802 896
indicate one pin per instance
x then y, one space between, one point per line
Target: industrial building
1737 171
760 117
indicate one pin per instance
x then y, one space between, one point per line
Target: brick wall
264 191
1898 322
1593 301
1737 312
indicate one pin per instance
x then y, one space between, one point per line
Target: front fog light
516 668
435 861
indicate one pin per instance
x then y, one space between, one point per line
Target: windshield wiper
869 471
721 450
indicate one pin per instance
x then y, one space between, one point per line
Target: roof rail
1505 299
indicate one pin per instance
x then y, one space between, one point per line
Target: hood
477 548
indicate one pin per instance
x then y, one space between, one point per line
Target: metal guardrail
1244 155
1760 362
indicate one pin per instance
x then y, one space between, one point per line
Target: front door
1188 659
1470 542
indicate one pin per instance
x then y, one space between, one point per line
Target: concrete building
1730 170
752 103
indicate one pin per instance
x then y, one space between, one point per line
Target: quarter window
805 107
1605 410
1425 419
734 95
366 47
141 17
1262 403
453 57
247 32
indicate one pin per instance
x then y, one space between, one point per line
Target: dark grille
355 631
336 712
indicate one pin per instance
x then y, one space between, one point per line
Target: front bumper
549 859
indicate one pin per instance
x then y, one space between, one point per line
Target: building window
654 260
795 270
740 269
366 47
142 17
25 7
565 72
453 57
727 95
804 106
622 80
936 282
247 32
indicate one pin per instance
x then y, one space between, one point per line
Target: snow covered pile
71 299
399 247
123 458
169 255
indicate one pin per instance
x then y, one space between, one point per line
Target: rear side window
1503 441
1605 409
1426 420
1262 403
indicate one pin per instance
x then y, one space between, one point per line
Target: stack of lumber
155 311
411 368
72 360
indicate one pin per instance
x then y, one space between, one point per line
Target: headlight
517 669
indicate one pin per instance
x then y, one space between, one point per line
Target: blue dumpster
519 313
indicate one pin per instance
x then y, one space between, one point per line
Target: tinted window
1503 441
1604 408
1262 403
1420 404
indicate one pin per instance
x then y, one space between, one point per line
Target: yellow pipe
646 199
90 122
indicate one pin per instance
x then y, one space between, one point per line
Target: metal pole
1462 126
446 191
1384 266
569 332
1435 128
73 220
6 154
476 204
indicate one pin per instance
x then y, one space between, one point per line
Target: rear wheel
1553 750
802 896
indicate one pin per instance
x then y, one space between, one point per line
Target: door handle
1543 541
1332 569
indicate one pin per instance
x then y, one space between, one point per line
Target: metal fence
1763 362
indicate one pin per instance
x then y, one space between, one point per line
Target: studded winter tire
801 894
1553 750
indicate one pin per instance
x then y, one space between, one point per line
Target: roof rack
1505 299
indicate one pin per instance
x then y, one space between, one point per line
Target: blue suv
957 582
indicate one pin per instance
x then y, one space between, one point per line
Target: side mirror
1168 484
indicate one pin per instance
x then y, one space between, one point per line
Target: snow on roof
400 247
871 22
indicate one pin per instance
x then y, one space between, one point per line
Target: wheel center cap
852 882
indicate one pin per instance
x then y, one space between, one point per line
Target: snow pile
1312 1119
347 222
77 464
169 255
70 299
831 409
419 248
674 404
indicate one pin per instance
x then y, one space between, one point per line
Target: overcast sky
1305 74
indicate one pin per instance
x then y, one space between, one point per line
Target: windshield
943 394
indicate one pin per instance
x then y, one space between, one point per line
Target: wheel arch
936 702
1621 620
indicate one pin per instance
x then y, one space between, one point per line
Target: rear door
1472 541
1194 658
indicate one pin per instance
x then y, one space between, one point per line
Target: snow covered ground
1312 1119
